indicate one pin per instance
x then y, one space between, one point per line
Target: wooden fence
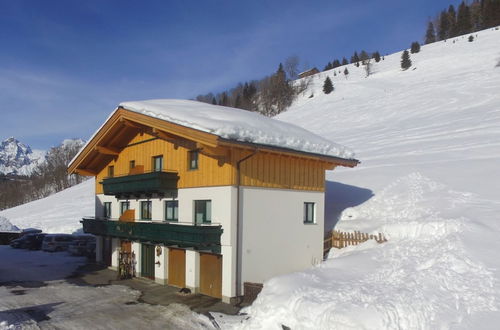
339 239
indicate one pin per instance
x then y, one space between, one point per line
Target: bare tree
291 67
368 67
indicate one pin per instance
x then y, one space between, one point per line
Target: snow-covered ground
429 142
56 304
58 213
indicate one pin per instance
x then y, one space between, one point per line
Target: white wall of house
275 239
161 266
224 211
115 248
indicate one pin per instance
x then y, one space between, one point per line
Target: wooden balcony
200 237
163 183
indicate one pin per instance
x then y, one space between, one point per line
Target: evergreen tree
214 101
335 63
346 72
444 26
363 56
355 58
405 60
430 35
376 56
344 61
415 47
471 38
464 24
327 86
328 67
452 21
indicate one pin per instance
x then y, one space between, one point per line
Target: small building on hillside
308 73
206 197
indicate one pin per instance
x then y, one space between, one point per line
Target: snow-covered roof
239 125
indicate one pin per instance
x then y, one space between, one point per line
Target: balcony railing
200 237
164 183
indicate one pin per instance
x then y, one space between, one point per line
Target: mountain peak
17 158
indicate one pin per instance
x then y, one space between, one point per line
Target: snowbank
423 278
5 225
58 213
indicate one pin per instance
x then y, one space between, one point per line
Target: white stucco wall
161 269
275 239
224 212
115 248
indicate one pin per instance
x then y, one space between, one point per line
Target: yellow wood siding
264 169
209 173
272 170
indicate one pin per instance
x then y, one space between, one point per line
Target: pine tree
405 60
214 101
363 56
430 35
346 72
471 38
335 63
415 47
328 67
355 58
344 61
452 19
327 86
376 56
464 24
444 26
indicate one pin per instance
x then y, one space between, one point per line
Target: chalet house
308 73
206 197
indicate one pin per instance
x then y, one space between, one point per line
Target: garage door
177 267
211 274
148 261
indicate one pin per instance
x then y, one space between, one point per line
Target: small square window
171 210
193 160
309 214
131 164
146 210
111 171
203 211
107 210
158 163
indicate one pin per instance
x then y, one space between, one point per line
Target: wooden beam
175 140
85 172
129 123
107 150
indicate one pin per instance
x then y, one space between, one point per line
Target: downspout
238 222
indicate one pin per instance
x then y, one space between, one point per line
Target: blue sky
65 65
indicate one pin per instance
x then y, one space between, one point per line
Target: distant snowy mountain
16 158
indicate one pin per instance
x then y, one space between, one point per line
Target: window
146 210
193 160
309 216
107 209
124 206
171 210
158 163
203 211
131 164
111 171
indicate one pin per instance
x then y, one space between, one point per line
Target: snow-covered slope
17 158
429 142
58 213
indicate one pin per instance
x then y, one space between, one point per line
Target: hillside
58 213
429 143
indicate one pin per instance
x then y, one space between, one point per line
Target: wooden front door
211 274
177 267
148 261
